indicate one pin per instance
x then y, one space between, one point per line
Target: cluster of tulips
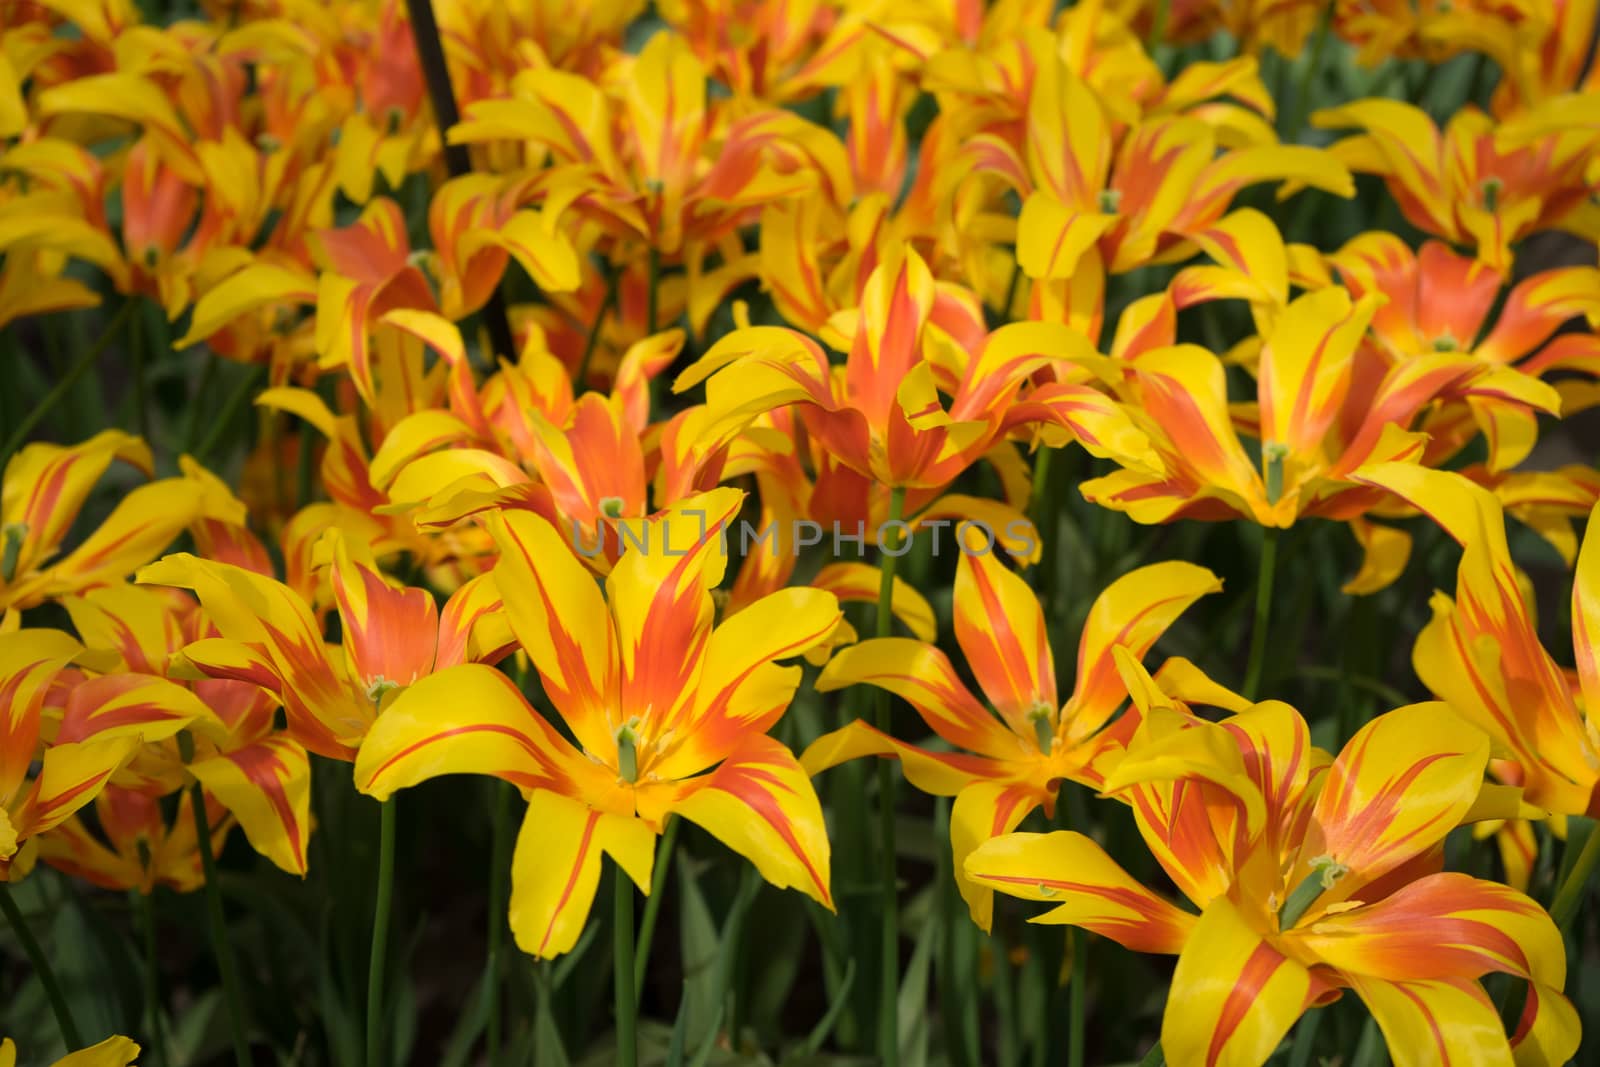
713 424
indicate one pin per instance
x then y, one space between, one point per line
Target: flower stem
1155 1057
590 343
652 309
1258 635
1302 98
41 967
90 356
1158 26
652 906
136 360
146 904
889 975
500 848
377 961
457 160
230 410
1570 894
623 968
1078 943
220 945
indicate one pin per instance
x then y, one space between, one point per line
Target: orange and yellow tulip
1461 183
45 487
1312 874
1011 761
670 714
392 637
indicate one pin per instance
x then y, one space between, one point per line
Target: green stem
651 308
41 967
377 961
1258 635
1570 894
90 356
220 944
889 975
230 410
623 968
457 160
1302 98
1041 487
1077 995
613 280
136 347
146 903
1305 1039
652 906
197 403
500 848
1154 1058
1158 26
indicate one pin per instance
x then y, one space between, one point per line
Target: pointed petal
922 676
1001 630
1132 613
761 804
465 720
556 868
560 618
267 787
1087 886
1401 783
1233 995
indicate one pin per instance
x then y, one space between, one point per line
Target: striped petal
1402 783
465 720
69 777
29 663
982 811
659 595
1234 996
859 582
390 632
923 677
759 802
559 617
267 787
555 868
741 690
273 626
1000 628
1305 371
1087 886
140 706
1132 613
1437 1023
941 774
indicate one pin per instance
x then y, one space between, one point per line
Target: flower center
628 750
378 688
1110 201
1272 456
1490 189
1043 729
12 536
1325 873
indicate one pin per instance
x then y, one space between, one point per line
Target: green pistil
1272 457
1491 189
628 751
1325 873
13 535
1043 729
